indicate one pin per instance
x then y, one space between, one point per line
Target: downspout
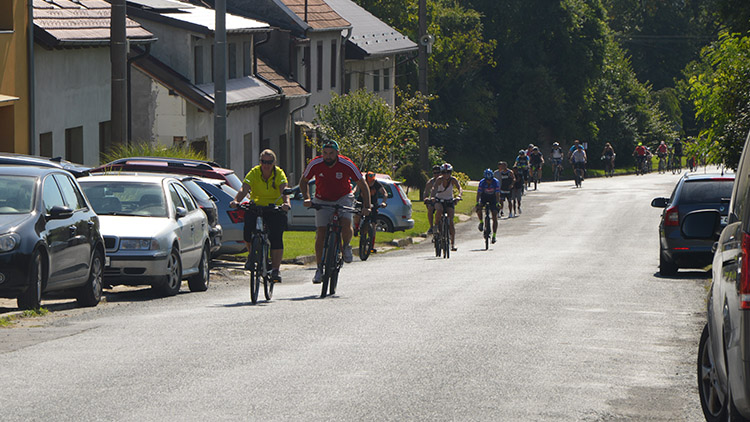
294 133
342 72
130 106
305 14
31 82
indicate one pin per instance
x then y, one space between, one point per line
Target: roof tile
319 14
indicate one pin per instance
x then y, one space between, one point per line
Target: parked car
76 170
197 168
396 216
230 218
49 237
692 192
724 347
154 231
206 202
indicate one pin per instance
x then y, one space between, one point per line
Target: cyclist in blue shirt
488 195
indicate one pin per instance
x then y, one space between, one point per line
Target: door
184 228
198 225
59 234
81 228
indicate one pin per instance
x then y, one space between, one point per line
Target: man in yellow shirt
266 183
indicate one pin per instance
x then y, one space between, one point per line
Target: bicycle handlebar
249 206
334 206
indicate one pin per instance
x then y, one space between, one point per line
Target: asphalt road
564 319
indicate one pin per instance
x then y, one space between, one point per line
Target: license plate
724 219
106 261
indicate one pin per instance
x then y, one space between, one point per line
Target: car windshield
234 181
126 198
17 194
706 191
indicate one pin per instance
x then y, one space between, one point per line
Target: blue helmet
488 174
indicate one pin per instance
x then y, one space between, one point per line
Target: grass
30 313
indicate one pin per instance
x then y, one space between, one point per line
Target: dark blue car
49 237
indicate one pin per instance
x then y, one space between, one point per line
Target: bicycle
442 236
578 174
333 258
259 255
609 165
486 229
662 164
367 232
535 176
558 168
675 163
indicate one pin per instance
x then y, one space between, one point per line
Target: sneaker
347 252
373 250
494 238
318 276
356 232
501 213
248 264
510 215
454 249
481 226
519 209
275 276
429 231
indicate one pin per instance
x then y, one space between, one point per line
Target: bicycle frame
259 252
332 259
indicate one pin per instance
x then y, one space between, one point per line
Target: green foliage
145 149
412 175
374 135
463 178
718 87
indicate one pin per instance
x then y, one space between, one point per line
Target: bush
412 176
463 178
145 149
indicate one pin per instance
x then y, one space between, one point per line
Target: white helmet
446 167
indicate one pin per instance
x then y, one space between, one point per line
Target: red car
197 168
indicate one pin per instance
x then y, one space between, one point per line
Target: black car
692 192
76 170
724 348
49 237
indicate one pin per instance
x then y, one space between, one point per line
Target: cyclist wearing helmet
506 178
442 189
376 190
332 173
522 162
426 196
536 160
488 195
640 154
516 193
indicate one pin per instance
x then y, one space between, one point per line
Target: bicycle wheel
446 237
336 269
486 230
329 261
267 282
437 239
366 238
256 268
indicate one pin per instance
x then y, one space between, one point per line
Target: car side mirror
701 224
660 202
180 212
60 213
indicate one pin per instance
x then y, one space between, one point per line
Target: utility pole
118 56
424 43
220 83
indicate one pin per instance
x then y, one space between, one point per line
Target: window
333 63
247 59
6 15
319 66
72 195
247 147
105 137
386 79
74 144
51 195
199 146
45 144
198 57
376 80
176 201
306 64
186 198
232 60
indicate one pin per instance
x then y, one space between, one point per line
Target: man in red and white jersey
333 174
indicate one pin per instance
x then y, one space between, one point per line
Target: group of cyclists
670 157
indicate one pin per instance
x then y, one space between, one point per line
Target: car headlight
9 241
139 244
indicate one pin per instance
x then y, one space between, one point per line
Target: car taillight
236 216
672 217
401 194
745 273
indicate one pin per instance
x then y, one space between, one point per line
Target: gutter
129 71
30 60
294 131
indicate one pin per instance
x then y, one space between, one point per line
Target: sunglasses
266 161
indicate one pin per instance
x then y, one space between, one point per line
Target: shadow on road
685 275
242 304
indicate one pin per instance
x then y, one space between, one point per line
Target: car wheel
91 292
713 397
666 267
384 224
170 286
199 282
32 297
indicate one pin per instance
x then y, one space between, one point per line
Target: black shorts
490 201
581 165
275 222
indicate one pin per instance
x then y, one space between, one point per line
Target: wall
14 115
354 68
72 89
319 96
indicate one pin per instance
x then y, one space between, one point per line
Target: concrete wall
319 96
72 89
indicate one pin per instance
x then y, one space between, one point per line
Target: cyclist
662 151
574 147
640 157
608 155
578 158
536 160
443 189
266 183
677 153
516 192
376 190
556 156
522 162
506 178
488 195
333 173
426 196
